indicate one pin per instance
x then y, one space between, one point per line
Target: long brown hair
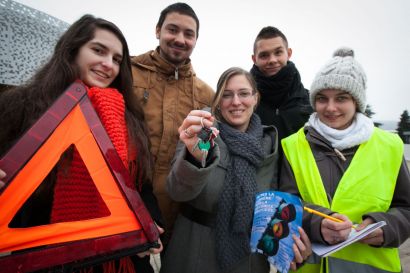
220 88
22 106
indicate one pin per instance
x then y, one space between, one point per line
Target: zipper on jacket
146 95
176 73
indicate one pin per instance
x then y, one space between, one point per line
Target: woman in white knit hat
343 166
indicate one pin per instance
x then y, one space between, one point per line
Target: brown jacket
167 94
332 168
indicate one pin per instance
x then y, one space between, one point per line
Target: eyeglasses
242 94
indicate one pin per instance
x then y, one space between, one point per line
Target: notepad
325 250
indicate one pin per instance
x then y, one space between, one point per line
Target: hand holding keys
205 142
197 133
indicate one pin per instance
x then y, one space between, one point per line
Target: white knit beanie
342 72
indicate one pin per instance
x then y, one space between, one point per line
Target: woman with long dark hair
95 51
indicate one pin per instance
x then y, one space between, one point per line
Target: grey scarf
236 201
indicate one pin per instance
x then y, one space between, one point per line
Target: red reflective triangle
71 120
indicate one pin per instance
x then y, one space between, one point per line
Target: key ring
188 134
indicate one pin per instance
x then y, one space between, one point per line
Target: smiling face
177 37
99 59
335 108
237 102
271 55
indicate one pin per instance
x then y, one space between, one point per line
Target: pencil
322 214
354 226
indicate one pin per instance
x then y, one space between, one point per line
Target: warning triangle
70 121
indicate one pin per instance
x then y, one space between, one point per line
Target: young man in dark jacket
284 101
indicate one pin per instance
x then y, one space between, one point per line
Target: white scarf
358 132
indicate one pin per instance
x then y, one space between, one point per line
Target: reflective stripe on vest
367 186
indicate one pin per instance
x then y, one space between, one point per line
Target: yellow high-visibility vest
367 186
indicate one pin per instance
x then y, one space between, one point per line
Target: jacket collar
155 62
314 137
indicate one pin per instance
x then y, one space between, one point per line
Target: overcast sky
377 30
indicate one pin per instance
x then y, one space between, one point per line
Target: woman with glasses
217 187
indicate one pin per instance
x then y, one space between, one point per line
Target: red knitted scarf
75 195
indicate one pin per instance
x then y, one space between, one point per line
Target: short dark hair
268 33
181 8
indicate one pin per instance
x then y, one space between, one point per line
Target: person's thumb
160 229
2 175
363 224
